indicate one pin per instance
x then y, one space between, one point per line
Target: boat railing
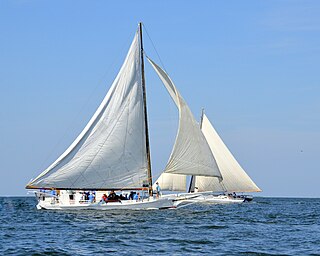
84 201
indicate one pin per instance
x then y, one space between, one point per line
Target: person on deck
91 197
86 195
112 195
137 196
104 198
131 195
123 196
158 190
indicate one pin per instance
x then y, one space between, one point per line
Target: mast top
140 28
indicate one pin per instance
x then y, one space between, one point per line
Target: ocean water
266 226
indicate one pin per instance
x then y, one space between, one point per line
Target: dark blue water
267 226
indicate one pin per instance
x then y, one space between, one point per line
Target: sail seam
107 138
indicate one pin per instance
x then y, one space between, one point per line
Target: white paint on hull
165 202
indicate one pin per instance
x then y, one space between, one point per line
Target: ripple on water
268 226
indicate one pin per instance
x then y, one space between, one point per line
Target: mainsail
235 179
111 150
191 154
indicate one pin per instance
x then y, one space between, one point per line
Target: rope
172 108
154 47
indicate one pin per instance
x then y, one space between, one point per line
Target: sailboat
213 189
218 190
235 179
229 178
112 153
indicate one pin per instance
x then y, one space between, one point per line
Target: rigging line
223 186
154 47
171 107
84 106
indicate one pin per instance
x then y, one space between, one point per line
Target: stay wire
172 115
154 47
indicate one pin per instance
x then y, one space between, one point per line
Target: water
267 226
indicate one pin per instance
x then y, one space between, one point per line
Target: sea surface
266 226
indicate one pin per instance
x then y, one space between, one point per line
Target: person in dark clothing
123 197
112 195
131 195
86 195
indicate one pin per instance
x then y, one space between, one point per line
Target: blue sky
253 65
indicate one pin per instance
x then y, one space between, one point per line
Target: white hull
165 202
213 199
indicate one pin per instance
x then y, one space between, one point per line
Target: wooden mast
201 120
145 113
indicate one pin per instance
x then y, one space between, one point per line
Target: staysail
171 182
235 179
191 154
111 150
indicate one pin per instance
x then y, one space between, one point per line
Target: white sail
111 150
171 182
235 179
191 154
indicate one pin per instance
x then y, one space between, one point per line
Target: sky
253 66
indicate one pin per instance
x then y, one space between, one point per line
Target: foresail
191 154
171 182
204 184
110 152
235 179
